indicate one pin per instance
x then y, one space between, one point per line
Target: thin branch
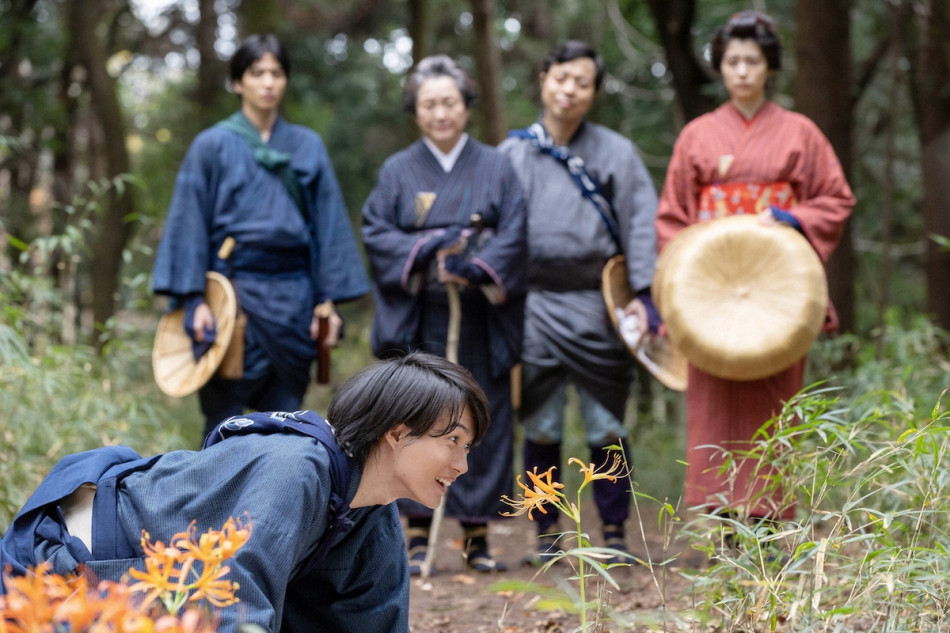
867 69
634 45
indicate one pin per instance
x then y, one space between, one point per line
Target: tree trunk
61 265
488 67
537 21
888 183
419 30
260 16
421 36
211 71
113 227
931 92
674 22
21 168
823 94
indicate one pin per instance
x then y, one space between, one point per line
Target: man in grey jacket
589 198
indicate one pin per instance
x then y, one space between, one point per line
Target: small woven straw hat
741 300
655 353
176 371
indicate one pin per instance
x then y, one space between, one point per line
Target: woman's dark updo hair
437 66
255 47
748 25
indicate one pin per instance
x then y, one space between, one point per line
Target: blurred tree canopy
99 100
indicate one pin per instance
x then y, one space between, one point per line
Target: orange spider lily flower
609 473
78 610
188 569
192 563
31 600
212 588
160 576
192 621
543 482
215 545
544 491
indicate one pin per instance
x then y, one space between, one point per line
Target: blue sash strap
40 515
109 541
588 185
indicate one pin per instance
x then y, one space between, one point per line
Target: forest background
99 100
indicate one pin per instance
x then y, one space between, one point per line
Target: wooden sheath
323 312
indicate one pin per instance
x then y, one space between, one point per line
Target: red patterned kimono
724 164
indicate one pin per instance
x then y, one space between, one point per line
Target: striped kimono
775 151
414 201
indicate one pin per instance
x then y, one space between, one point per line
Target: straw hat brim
657 354
173 363
742 300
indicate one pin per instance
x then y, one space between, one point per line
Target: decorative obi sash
738 198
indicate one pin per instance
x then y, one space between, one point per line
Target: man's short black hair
575 49
416 390
252 49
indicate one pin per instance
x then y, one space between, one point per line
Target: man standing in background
263 189
589 198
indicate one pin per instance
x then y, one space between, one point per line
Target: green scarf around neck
267 157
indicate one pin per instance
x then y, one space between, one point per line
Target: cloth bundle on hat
740 299
177 371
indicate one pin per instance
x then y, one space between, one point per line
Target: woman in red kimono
748 156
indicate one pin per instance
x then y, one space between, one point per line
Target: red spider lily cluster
188 570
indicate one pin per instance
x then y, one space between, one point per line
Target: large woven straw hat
176 371
657 354
741 300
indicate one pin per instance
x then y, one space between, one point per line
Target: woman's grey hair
416 390
437 66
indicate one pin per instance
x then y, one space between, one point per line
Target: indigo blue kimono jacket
282 480
283 263
416 200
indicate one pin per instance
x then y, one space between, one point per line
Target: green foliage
868 464
59 399
864 456
941 240
354 102
588 567
71 399
45 276
905 358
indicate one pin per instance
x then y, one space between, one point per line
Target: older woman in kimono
724 158
449 210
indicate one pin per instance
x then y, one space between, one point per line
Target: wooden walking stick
452 355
